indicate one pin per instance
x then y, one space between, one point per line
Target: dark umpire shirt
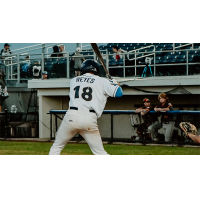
149 118
165 117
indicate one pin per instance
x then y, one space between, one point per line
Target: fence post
187 63
51 126
43 48
56 122
18 70
173 46
124 56
42 64
68 70
107 60
6 123
95 58
135 64
11 66
112 127
154 62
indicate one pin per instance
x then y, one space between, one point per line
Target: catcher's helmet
90 66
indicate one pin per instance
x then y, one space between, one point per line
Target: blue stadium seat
159 53
122 45
164 61
169 47
157 61
101 47
173 60
179 44
188 47
182 56
128 44
196 45
163 45
62 61
181 60
109 45
180 53
147 44
112 62
131 48
191 57
174 56
120 62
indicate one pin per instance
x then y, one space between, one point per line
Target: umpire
148 119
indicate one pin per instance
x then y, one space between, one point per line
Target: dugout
183 92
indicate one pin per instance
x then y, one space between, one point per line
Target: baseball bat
98 53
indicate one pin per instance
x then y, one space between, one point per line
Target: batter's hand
113 82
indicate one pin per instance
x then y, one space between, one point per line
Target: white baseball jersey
90 92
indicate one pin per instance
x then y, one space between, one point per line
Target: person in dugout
167 122
147 118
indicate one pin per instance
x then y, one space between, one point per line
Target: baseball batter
88 96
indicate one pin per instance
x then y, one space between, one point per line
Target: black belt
75 108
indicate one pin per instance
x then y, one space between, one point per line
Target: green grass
42 148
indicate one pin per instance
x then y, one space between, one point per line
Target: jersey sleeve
109 89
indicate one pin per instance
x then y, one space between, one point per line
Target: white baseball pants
83 123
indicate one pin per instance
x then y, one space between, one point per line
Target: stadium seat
182 56
163 45
180 52
112 62
172 60
191 58
158 61
188 47
120 62
181 60
159 53
174 56
191 52
169 47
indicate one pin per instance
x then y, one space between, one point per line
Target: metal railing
135 50
182 140
15 62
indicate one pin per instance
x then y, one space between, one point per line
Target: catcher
190 130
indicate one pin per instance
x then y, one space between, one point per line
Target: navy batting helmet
90 66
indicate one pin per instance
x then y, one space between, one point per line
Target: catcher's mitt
187 127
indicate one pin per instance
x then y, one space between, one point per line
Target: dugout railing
178 115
